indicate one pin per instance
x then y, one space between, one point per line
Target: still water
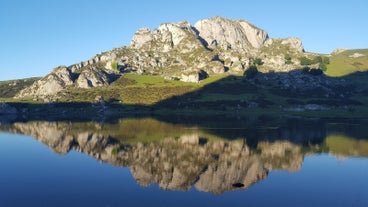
150 162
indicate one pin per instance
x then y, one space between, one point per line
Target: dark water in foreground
146 162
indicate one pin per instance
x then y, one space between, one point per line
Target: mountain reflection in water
178 156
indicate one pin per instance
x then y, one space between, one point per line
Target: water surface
147 162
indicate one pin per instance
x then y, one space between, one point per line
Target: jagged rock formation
176 51
167 37
230 35
174 163
93 77
295 44
54 82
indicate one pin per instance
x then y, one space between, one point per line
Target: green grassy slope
348 62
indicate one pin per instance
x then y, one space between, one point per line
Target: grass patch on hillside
139 89
132 89
348 62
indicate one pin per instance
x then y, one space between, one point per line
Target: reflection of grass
135 130
345 146
115 150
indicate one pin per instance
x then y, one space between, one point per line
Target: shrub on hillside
114 65
251 72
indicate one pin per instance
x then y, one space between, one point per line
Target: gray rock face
62 76
166 37
230 34
51 84
93 77
293 44
194 77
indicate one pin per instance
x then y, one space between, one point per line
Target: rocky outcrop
230 34
62 76
194 77
293 44
166 37
54 82
93 77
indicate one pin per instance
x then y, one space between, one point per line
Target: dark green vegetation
114 65
322 62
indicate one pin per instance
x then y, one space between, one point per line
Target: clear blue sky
38 35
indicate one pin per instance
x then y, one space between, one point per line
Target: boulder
194 77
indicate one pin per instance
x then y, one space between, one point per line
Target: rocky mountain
177 51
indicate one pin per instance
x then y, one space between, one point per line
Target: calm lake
184 162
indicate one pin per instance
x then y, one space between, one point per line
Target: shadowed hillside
302 92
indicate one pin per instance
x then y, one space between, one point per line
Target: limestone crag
93 77
295 44
176 51
230 34
167 37
62 77
51 84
